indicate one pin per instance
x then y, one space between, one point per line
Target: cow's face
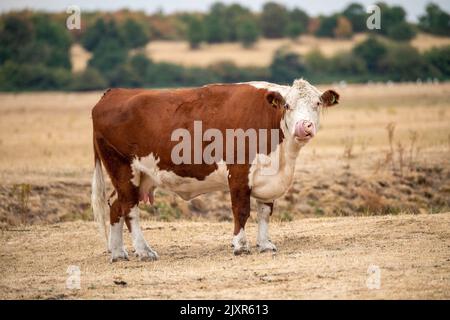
304 103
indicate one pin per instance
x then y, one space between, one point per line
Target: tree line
35 47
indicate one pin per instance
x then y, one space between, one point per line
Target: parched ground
318 258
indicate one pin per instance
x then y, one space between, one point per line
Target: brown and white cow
135 137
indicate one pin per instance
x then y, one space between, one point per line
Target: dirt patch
317 258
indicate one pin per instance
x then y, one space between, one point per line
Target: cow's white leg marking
118 251
263 241
240 244
141 247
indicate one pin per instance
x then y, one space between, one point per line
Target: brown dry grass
318 258
260 55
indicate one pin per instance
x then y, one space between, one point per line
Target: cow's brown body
132 124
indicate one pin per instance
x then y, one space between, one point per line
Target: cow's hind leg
264 211
125 207
115 241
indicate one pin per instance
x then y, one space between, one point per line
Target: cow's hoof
118 255
147 255
266 246
241 250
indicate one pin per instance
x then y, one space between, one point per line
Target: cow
137 134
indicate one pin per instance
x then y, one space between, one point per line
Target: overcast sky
414 8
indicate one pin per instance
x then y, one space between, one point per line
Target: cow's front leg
141 247
240 204
264 211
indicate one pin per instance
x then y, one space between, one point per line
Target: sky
414 8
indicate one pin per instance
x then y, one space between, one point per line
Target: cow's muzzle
304 130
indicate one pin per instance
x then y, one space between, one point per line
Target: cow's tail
99 203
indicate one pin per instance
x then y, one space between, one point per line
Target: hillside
260 55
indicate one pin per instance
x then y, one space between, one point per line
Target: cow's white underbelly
266 184
147 175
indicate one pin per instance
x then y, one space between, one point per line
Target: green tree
15 76
51 36
439 60
15 32
402 31
248 32
93 35
216 26
316 62
286 66
274 20
403 63
298 23
235 14
107 56
327 26
89 79
435 20
195 32
134 34
371 51
347 63
356 13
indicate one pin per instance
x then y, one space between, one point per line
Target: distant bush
435 20
298 23
14 76
89 79
439 60
394 24
195 32
34 40
403 63
401 31
327 26
357 16
107 56
274 20
347 63
316 62
343 28
248 32
371 51
286 66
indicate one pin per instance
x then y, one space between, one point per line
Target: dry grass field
260 55
320 258
389 192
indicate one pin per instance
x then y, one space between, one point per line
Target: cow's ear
275 99
330 98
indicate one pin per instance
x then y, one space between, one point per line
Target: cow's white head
303 105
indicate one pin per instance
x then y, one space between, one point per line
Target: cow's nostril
307 125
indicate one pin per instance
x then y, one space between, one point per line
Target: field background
260 55
46 164
395 202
